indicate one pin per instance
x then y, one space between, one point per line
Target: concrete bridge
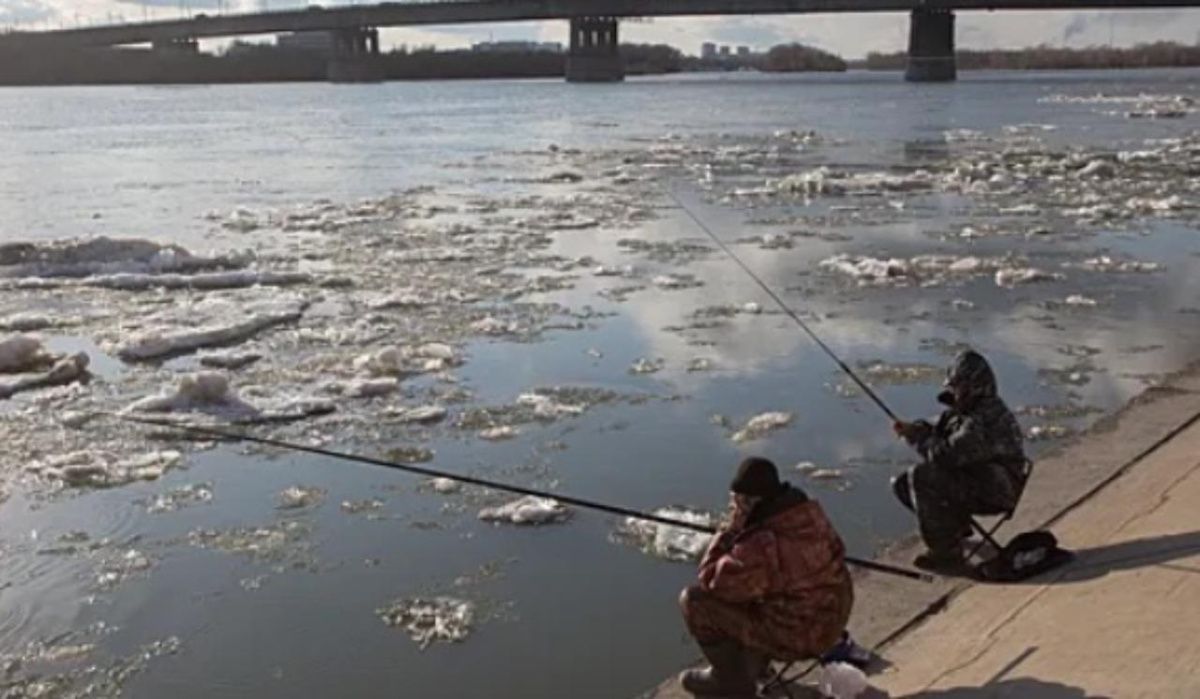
594 39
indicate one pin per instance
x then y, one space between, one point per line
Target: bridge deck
472 11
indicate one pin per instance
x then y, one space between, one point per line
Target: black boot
727 675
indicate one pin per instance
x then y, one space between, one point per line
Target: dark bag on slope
1027 555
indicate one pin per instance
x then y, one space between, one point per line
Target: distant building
724 50
708 50
313 42
518 47
743 51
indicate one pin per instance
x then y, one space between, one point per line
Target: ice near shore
527 510
666 541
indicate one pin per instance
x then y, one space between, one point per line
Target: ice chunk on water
229 360
761 425
546 408
100 469
646 366
203 392
23 353
236 279
498 434
169 341
445 486
82 257
424 415
527 510
667 541
867 269
1079 300
433 620
298 496
65 371
1024 275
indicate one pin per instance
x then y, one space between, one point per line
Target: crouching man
773 585
973 463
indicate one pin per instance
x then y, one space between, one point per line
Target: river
528 228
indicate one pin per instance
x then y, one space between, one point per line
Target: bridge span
593 37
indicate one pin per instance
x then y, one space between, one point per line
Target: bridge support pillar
355 56
931 47
594 55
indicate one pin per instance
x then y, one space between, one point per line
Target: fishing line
786 309
472 480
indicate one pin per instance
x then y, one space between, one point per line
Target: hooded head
970 378
756 478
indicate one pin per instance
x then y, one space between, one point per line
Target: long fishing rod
786 309
472 480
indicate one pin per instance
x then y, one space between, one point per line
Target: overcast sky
849 35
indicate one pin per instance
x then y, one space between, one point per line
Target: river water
1048 219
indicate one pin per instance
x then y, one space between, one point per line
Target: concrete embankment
1119 621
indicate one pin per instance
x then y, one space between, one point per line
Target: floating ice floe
825 181
366 388
83 257
354 507
1079 300
28 321
1104 263
173 340
229 360
547 408
1024 275
100 469
406 361
296 497
22 353
431 620
760 426
667 541
646 366
445 486
676 281
422 415
208 281
179 498
527 510
699 364
203 392
884 373
64 371
499 434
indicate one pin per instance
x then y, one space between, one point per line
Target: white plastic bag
844 681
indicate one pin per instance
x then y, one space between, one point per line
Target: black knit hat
756 477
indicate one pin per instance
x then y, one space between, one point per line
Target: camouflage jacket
789 562
980 437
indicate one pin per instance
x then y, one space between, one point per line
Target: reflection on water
547 257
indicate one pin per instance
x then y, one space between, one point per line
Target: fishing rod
786 309
472 480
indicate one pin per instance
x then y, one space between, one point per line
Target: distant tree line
790 58
1162 54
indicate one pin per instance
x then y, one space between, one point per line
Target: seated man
973 462
772 585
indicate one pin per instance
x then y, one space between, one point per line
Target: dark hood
971 372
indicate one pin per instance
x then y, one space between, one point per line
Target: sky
849 35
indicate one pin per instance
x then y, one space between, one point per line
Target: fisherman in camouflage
973 462
773 585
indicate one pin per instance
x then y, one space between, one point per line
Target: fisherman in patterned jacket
972 462
773 585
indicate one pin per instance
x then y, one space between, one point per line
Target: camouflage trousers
759 625
944 501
